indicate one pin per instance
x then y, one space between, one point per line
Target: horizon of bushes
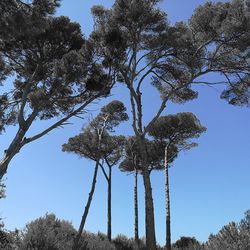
50 233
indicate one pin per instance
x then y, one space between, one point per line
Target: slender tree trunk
168 226
109 232
86 210
136 227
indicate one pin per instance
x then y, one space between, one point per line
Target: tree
130 164
174 130
133 163
53 69
113 153
93 143
136 39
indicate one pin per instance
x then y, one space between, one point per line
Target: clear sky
209 184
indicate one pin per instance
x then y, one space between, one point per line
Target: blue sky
209 184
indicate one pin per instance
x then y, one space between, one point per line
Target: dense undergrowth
50 233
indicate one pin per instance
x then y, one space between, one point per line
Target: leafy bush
187 243
123 243
48 233
9 240
97 242
234 236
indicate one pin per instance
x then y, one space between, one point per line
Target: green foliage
97 242
155 155
94 142
48 233
177 129
110 116
187 243
121 242
225 26
41 51
9 240
55 72
214 40
232 236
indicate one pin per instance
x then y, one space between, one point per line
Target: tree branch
59 123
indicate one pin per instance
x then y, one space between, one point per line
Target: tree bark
149 204
167 196
150 222
86 210
136 227
12 150
109 226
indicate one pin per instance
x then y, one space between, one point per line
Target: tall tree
114 146
174 130
133 163
130 164
94 143
52 69
136 39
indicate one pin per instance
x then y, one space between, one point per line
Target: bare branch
59 123
104 172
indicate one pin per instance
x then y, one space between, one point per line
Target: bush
187 243
48 233
234 236
9 240
123 243
97 242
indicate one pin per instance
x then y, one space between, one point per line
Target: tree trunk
109 205
12 150
149 204
4 164
86 210
150 222
136 227
167 195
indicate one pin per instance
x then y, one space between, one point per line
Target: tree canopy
52 67
178 129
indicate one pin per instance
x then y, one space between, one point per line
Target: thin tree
177 130
135 37
130 164
133 163
114 146
52 69
92 144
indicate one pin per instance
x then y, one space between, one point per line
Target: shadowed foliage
135 39
96 144
51 66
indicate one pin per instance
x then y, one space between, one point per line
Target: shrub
48 233
9 240
123 243
97 242
233 236
187 243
